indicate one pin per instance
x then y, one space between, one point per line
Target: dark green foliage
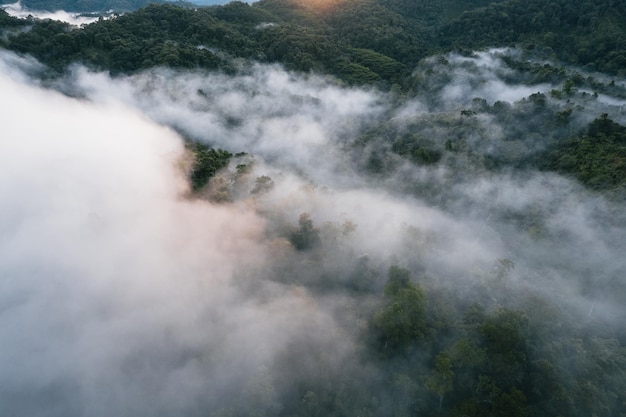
206 162
369 25
397 279
497 365
307 236
503 337
356 74
155 36
603 126
7 21
401 322
585 33
484 360
359 41
9 24
597 157
49 40
383 66
299 48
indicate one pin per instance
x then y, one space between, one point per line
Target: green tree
307 236
440 381
206 162
401 322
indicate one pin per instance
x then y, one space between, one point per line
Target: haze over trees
85 6
315 208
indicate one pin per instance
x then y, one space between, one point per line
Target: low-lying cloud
122 295
16 10
118 294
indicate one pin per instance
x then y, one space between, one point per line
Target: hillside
84 6
587 33
359 41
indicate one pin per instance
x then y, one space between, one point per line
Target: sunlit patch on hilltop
320 6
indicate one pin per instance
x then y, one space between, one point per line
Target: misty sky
16 10
122 295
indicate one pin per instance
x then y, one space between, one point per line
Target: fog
481 75
117 292
16 10
295 123
123 293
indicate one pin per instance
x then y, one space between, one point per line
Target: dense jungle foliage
359 41
85 6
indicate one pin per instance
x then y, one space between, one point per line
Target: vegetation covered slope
589 33
596 157
359 41
86 6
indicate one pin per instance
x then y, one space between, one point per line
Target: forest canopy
359 41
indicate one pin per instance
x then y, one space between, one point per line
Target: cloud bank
122 295
16 10
116 291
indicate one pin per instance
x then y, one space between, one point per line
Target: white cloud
115 289
16 10
121 296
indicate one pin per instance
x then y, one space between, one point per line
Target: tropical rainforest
314 208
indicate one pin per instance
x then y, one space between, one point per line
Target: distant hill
209 2
84 5
358 41
586 33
